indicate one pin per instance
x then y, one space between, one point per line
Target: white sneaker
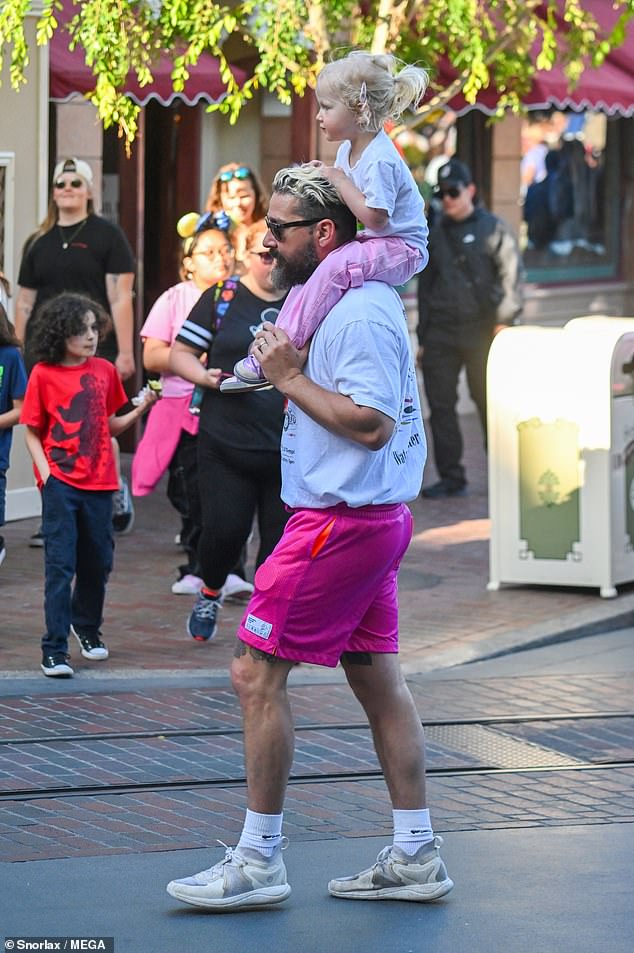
187 586
398 876
236 589
91 645
244 879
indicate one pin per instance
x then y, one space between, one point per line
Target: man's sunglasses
242 173
74 184
265 257
453 192
277 228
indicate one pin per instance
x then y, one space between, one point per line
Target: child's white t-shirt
386 182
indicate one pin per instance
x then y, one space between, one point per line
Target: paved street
128 775
110 793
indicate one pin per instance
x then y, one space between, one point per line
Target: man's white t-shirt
362 350
387 183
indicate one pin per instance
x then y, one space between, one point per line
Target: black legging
235 484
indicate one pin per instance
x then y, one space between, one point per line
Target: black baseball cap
454 173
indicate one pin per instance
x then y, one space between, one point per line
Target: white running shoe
244 879
398 876
187 585
236 589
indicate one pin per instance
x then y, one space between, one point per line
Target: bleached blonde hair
316 196
374 86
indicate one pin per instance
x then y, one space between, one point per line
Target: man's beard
285 274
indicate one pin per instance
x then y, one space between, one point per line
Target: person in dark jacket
470 290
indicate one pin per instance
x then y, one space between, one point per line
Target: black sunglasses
242 173
452 192
74 184
277 228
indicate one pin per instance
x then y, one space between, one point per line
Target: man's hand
280 360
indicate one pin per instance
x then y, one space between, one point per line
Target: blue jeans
78 542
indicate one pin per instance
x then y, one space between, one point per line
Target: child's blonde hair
373 87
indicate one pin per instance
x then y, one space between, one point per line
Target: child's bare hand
213 378
149 397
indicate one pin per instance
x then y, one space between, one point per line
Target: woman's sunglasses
242 173
74 184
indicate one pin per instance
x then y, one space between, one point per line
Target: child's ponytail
409 88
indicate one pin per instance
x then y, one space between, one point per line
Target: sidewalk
447 615
541 856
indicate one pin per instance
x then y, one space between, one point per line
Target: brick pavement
447 615
44 749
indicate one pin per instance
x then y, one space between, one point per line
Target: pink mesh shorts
329 586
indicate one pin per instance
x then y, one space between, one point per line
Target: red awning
609 89
69 74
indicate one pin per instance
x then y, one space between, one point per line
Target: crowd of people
288 400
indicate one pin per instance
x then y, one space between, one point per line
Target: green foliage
486 41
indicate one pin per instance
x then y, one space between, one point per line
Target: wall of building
24 155
222 143
80 134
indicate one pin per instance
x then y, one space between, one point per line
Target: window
570 199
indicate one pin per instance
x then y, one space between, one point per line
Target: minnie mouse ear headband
193 224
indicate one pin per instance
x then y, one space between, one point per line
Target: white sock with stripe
412 829
261 832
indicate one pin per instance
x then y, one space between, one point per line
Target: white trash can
561 454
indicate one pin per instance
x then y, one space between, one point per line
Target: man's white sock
261 832
412 829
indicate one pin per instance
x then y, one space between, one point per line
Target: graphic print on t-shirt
83 439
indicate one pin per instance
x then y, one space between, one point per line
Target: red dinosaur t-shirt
70 408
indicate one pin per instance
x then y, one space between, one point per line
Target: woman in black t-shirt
75 250
239 436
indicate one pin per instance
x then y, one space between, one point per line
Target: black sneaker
122 509
37 540
91 645
203 619
56 666
444 488
3 550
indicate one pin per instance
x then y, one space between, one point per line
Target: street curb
591 621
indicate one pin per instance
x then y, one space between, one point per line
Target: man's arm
282 364
24 302
119 291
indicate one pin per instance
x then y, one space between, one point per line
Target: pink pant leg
364 259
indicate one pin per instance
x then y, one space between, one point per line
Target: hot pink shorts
329 586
